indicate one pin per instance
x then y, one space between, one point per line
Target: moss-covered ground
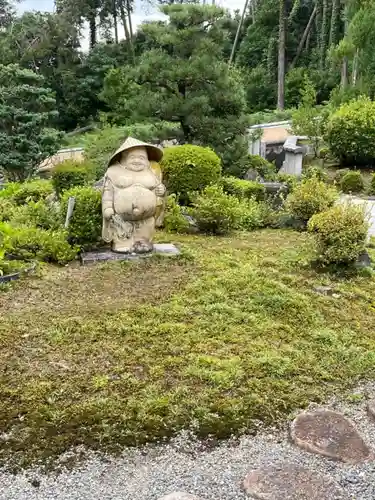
227 334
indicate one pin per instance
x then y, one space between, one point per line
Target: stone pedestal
293 157
104 255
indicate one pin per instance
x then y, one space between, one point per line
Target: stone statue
132 196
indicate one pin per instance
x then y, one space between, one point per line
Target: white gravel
184 465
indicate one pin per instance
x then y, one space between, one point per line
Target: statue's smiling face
136 159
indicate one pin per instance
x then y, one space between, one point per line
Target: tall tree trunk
281 58
324 35
114 14
304 37
93 30
129 11
355 68
124 21
235 43
335 23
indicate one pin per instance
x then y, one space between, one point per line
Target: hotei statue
132 193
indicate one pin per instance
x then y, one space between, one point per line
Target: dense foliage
70 174
352 182
351 132
27 110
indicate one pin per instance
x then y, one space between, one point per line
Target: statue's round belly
135 202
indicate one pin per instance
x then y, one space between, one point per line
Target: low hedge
70 174
243 189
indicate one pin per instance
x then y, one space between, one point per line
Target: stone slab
179 495
105 255
291 482
330 434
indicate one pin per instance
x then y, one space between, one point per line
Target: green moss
117 355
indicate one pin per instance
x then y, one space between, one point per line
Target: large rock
330 434
291 482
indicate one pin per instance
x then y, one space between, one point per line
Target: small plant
339 174
243 189
86 222
289 179
70 174
23 192
265 169
189 168
6 209
34 243
309 198
372 185
174 220
252 215
352 182
36 213
315 171
340 233
215 211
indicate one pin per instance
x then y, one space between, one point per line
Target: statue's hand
160 190
108 213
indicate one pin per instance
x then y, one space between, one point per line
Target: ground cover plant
230 333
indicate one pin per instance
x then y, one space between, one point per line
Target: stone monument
132 197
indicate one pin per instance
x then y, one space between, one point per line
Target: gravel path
183 465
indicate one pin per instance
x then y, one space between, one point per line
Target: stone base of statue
104 254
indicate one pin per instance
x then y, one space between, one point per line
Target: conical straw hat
154 153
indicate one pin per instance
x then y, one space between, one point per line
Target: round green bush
216 212
339 174
352 182
189 168
340 234
86 222
36 213
309 198
70 174
351 132
265 169
243 189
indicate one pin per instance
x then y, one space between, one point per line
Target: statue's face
136 159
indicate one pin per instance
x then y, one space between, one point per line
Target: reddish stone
291 482
330 434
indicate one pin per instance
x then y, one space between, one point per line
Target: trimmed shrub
243 189
339 174
174 220
36 213
340 234
86 222
189 168
351 132
215 211
70 174
266 170
23 192
309 198
34 243
352 182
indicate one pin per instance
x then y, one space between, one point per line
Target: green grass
230 333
